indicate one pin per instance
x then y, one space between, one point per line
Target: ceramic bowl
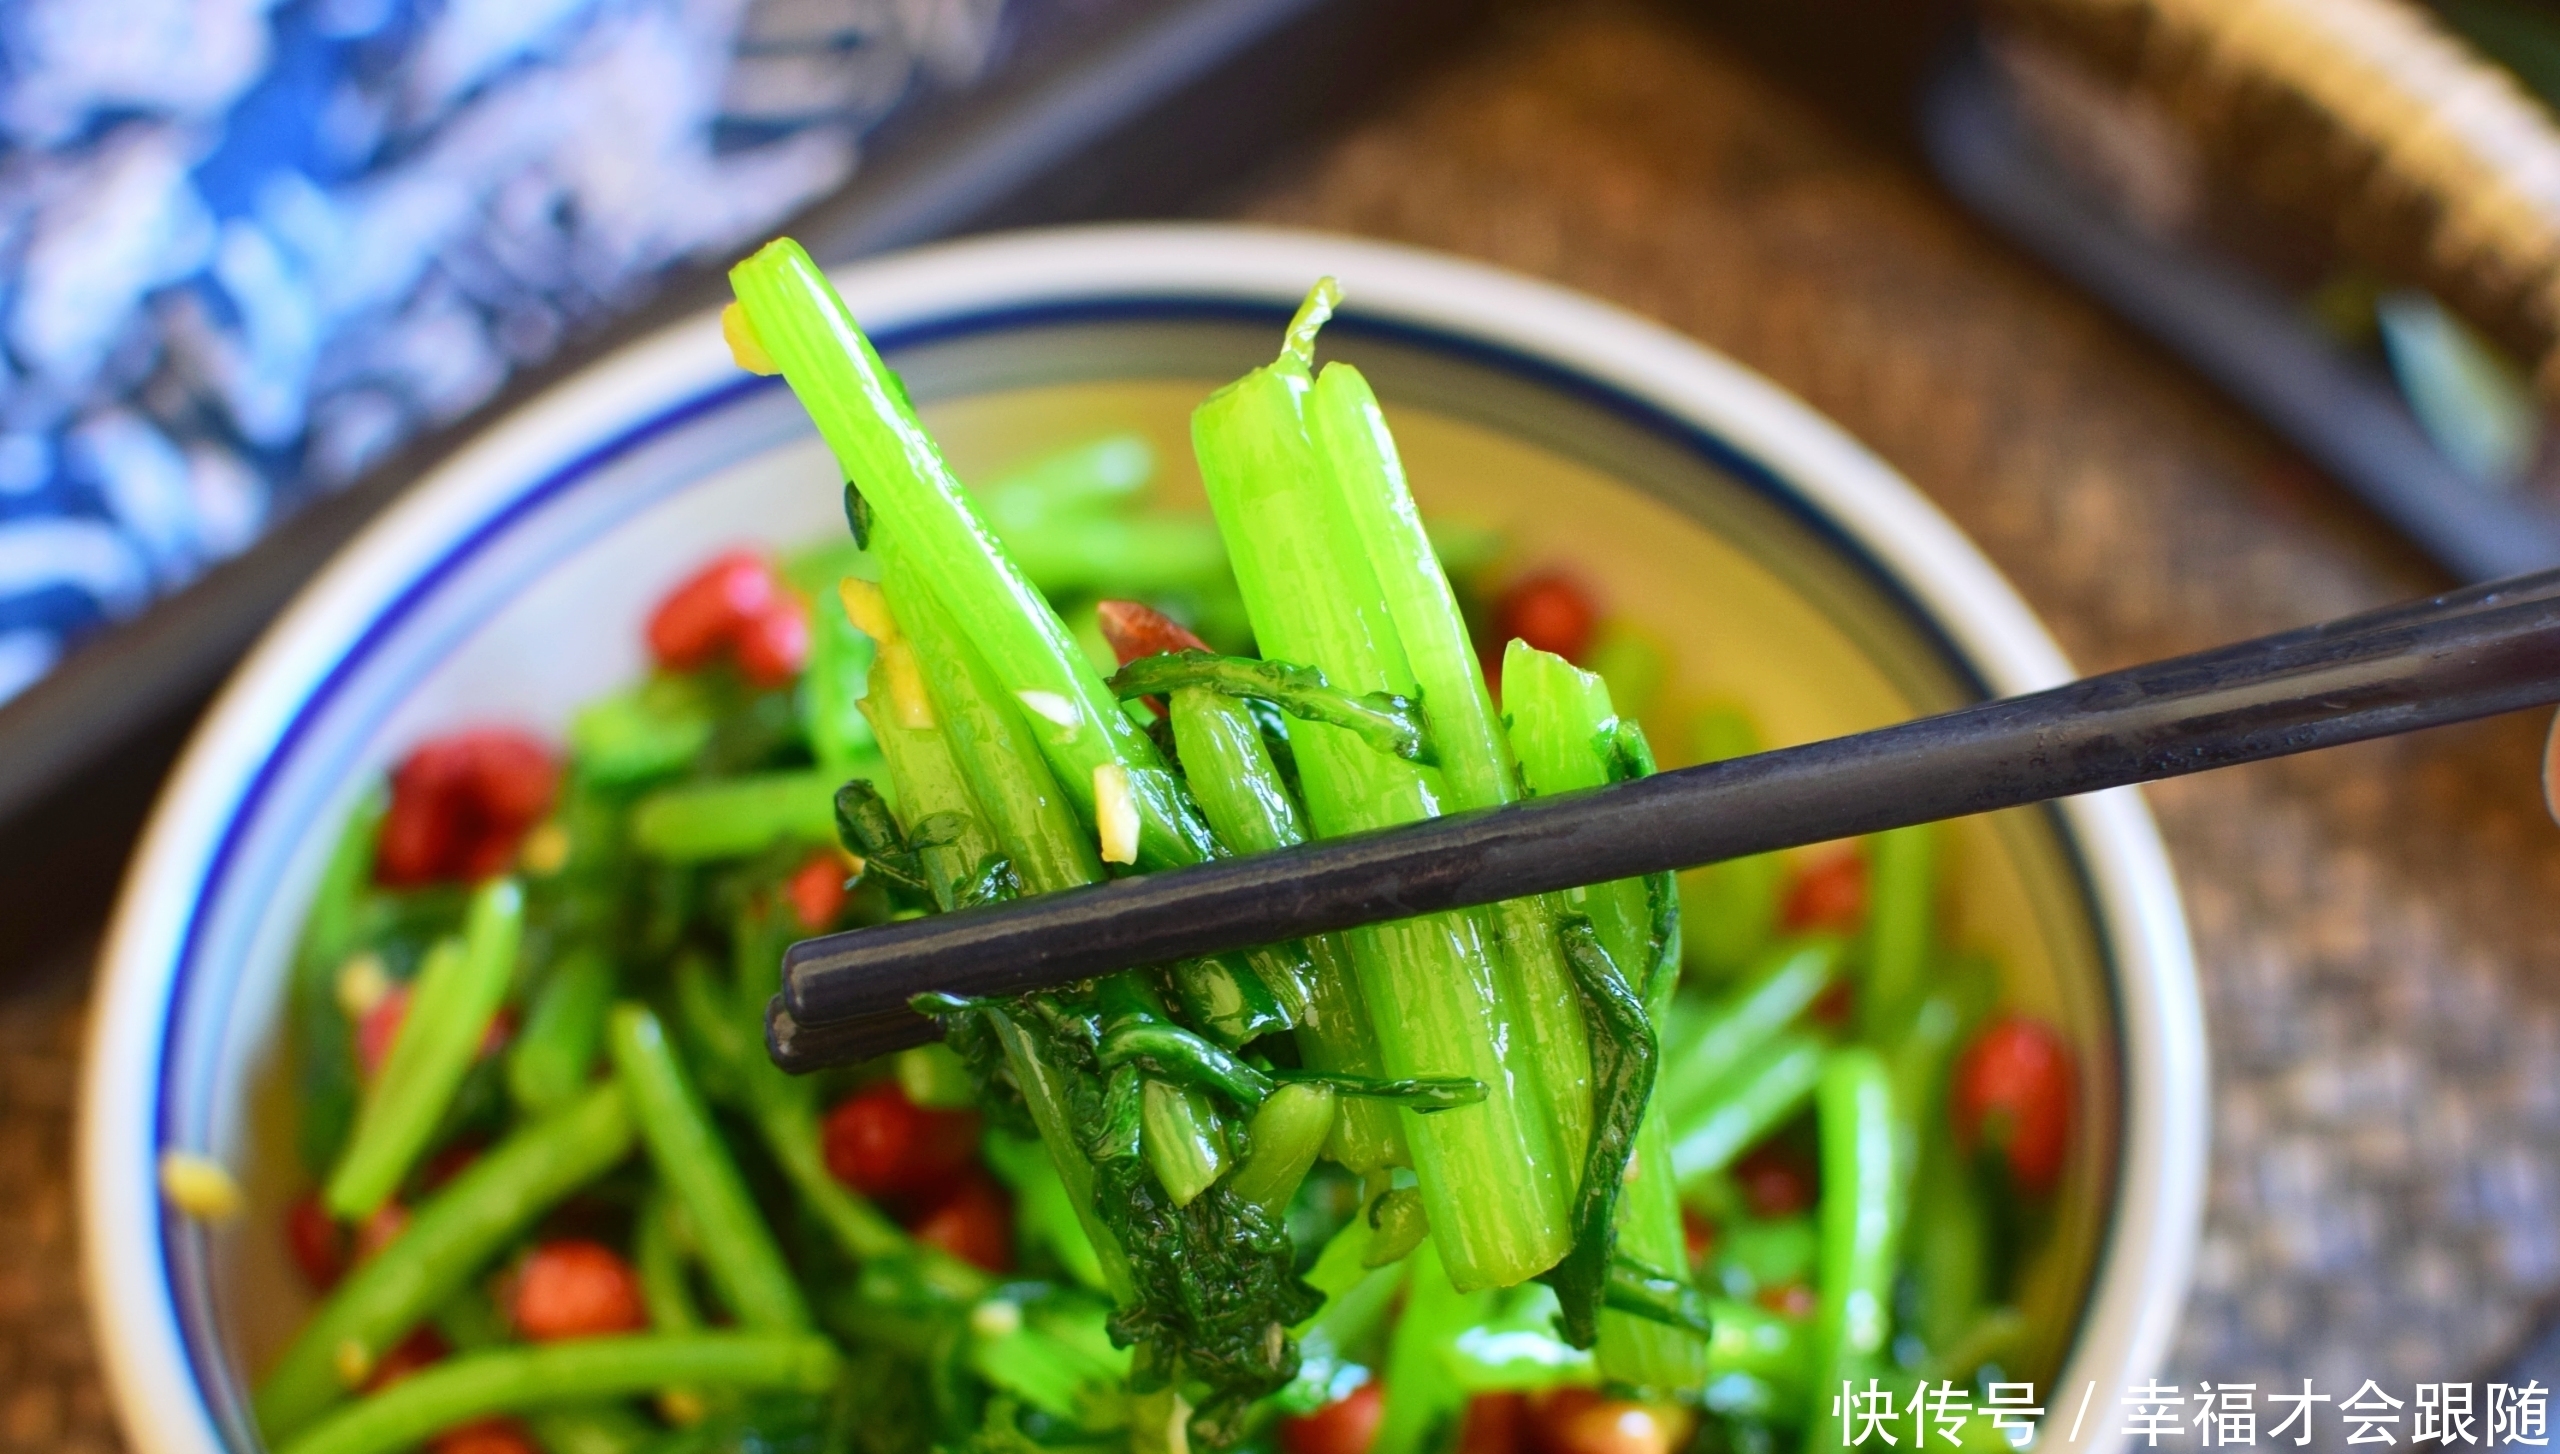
1769 557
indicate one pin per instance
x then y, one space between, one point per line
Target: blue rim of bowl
192 1310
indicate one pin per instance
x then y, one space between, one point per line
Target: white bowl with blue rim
1770 558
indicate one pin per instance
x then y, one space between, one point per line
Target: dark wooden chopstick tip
800 1048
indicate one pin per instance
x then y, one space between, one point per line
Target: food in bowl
1490 1180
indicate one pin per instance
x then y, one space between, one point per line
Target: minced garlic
1115 813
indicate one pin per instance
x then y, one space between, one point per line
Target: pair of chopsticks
2472 653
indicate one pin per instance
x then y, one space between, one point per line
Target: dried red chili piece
573 1288
461 804
974 1223
1549 610
883 1145
816 892
1348 1425
2012 1095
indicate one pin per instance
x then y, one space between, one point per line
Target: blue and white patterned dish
510 585
249 246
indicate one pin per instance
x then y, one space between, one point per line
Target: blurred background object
2345 213
251 247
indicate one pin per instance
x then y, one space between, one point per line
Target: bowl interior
1754 597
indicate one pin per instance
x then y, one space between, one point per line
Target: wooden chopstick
2472 653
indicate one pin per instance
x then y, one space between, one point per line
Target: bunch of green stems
590 1079
1336 573
1011 731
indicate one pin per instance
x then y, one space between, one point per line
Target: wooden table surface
2381 967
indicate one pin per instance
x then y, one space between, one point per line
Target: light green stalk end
1287 1132
1299 343
870 425
1186 1146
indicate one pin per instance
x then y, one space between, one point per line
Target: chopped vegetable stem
471 1325
1860 1231
516 1380
1754 1099
659 1256
1701 1049
457 993
696 822
1287 1132
1492 1173
1250 807
1732 907
554 1054
867 420
831 690
452 1235
784 1110
1568 736
737 1248
322 1038
1034 822
1423 1398
1044 1091
1902 864
1186 1145
1475 754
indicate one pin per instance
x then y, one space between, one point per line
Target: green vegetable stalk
1701 1047
946 839
516 1380
555 1052
1287 1132
1903 865
722 1022
1860 1231
737 1247
471 1325
1186 1143
1241 792
456 995
834 679
1569 739
1493 1176
867 420
453 1235
1731 908
1756 1097
1423 1397
731 817
1036 825
323 1041
1474 752
1029 821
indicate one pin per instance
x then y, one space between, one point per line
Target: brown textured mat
2384 994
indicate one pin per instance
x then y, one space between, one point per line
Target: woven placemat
2384 1005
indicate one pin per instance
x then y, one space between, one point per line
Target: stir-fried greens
1490 1179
